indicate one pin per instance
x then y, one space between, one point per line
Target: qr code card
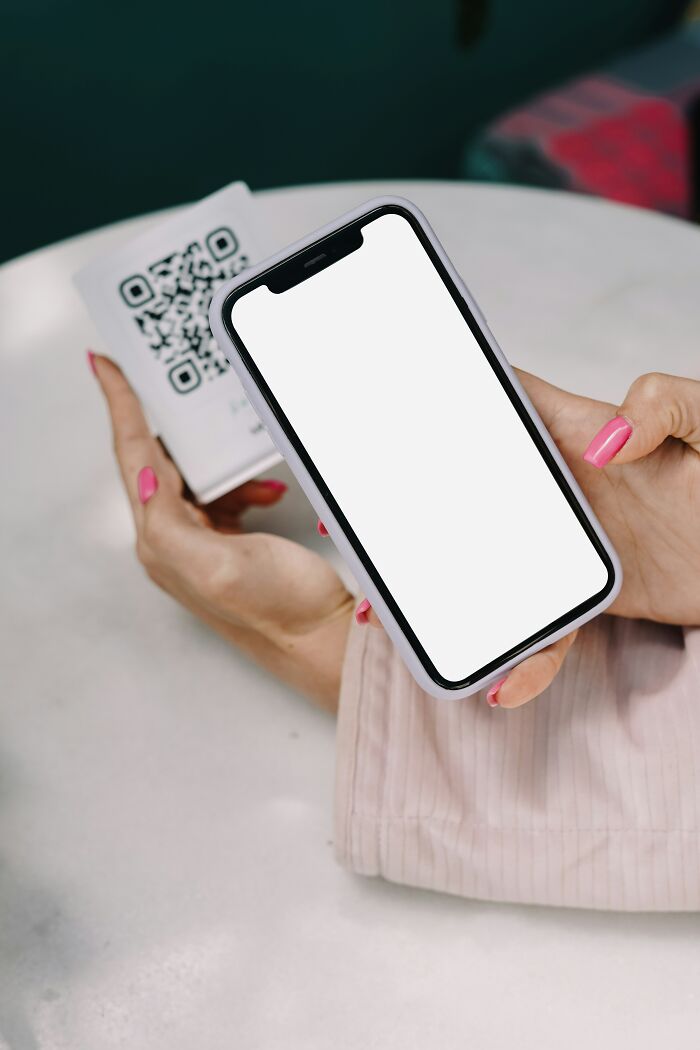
149 300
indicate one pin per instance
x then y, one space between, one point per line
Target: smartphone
380 382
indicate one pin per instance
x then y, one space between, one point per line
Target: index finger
134 445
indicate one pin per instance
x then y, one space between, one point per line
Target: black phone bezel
295 271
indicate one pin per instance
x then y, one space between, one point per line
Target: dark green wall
112 111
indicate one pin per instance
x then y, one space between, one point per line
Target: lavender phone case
323 510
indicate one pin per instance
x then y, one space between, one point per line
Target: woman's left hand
282 604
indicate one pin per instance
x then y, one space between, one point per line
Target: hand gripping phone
378 379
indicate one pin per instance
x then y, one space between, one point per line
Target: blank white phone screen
395 402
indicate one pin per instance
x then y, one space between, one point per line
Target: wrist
313 660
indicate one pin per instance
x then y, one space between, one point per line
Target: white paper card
149 300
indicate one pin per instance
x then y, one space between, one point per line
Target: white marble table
166 871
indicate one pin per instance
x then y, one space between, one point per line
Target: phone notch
316 258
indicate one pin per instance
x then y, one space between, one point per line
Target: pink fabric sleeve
587 797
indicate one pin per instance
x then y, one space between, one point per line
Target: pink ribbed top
587 797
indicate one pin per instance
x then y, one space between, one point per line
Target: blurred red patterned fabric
625 133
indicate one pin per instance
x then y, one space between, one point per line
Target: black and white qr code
169 303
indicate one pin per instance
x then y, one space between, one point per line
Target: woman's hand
279 602
647 499
641 474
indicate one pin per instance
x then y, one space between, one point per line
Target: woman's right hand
639 466
641 474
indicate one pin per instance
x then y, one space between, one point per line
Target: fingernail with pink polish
608 441
362 611
321 528
492 695
274 486
91 362
147 484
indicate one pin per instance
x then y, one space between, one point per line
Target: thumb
657 406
